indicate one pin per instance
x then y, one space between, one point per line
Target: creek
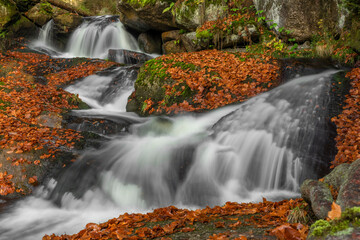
264 147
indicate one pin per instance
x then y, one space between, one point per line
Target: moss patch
350 219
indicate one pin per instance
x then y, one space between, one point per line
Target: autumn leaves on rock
23 99
210 79
348 124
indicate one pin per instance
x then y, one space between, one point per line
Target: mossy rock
41 13
337 176
8 14
191 14
347 227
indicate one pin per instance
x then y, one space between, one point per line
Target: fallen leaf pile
348 124
171 220
29 87
213 79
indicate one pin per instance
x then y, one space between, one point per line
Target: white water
97 35
92 39
110 92
261 148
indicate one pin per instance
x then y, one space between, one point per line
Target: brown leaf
335 211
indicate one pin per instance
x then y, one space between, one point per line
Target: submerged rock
127 56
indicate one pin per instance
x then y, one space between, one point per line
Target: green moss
350 218
142 3
152 71
4 104
46 8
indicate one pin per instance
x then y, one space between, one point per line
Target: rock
345 228
64 24
173 47
170 35
127 56
23 28
302 17
337 176
25 5
40 14
318 195
8 13
51 119
349 194
191 16
190 42
150 43
145 18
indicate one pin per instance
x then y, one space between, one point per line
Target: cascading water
109 91
260 148
96 35
93 38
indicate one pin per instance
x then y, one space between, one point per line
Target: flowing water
93 38
261 148
264 147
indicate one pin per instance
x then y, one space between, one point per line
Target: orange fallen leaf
335 211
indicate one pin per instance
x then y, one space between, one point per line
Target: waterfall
96 35
108 92
92 39
46 34
260 148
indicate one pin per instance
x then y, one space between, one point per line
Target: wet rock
94 125
145 18
173 47
302 17
150 42
349 194
64 24
318 195
127 56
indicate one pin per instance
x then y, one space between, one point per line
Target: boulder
302 17
8 13
337 176
318 195
23 28
25 5
170 35
174 46
150 42
127 56
192 15
349 194
190 42
147 17
40 14
64 24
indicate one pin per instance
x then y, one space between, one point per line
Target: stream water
264 147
